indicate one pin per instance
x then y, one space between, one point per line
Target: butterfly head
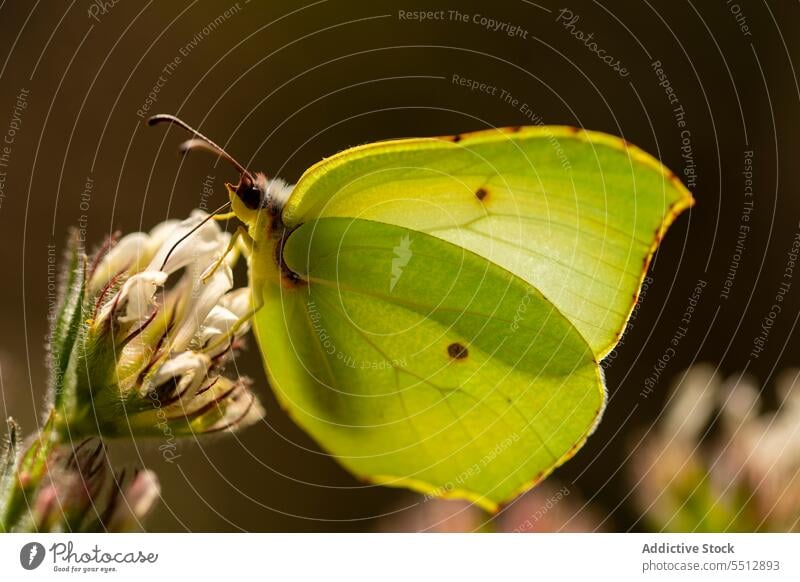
248 196
253 194
256 192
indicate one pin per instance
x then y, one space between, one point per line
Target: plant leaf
67 322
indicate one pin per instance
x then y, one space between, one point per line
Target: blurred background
708 87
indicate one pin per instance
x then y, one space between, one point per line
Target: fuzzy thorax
276 192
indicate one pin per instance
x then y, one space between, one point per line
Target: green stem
31 468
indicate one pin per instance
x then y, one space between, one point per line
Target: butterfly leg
223 217
240 242
256 301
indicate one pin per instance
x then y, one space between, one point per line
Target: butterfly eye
249 194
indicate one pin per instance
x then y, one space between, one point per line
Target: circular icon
31 555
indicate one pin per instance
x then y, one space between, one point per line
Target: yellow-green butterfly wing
458 379
442 304
575 213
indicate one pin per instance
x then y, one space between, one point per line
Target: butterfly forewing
576 214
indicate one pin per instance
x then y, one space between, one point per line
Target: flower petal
239 410
183 247
126 253
204 296
217 324
136 501
238 301
692 404
183 363
136 298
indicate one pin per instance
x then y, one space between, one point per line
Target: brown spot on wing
457 351
481 193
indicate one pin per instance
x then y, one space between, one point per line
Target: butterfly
433 311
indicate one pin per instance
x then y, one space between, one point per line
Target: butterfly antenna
191 232
200 141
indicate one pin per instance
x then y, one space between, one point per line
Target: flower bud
82 494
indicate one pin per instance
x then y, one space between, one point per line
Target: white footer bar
400 557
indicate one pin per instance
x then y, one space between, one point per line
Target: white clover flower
162 319
138 345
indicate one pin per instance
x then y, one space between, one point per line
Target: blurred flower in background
549 507
717 461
